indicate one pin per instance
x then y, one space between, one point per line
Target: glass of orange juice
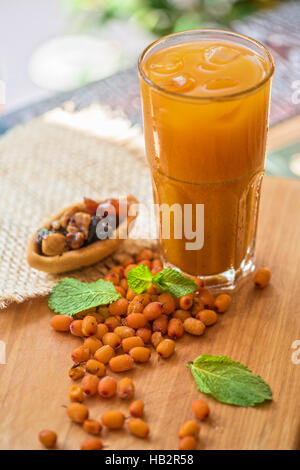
206 97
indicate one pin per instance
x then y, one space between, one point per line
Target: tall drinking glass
206 96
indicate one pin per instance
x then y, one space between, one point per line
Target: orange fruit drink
206 98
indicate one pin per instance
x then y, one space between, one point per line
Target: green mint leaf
71 296
229 381
140 278
172 281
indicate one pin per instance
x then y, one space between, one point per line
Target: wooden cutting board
258 330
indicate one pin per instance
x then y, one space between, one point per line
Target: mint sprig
71 296
229 381
171 280
140 278
168 280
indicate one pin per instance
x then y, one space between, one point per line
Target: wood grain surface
258 330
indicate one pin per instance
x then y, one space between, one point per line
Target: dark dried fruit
90 206
92 236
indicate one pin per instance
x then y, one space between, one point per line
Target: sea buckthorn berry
127 262
124 285
112 277
144 298
262 277
193 326
112 322
121 290
89 326
101 330
92 343
107 387
119 307
76 373
135 306
130 294
92 444
119 270
198 305
189 428
154 297
140 354
136 408
187 443
166 348
76 393
144 334
77 412
153 290
199 282
145 262
98 317
181 314
113 419
92 426
125 388
136 320
80 354
138 427
153 311
161 324
156 270
76 328
90 384
200 409
207 298
95 367
145 254
121 363
132 342
175 328
208 317
186 302
48 438
61 322
104 354
129 268
156 338
124 332
138 303
222 303
168 303
111 339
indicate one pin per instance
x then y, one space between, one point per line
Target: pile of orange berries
118 335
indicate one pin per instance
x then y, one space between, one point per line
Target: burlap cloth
52 162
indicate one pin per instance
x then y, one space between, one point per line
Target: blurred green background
166 16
